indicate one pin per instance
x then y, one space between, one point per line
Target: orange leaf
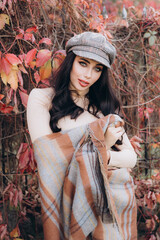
46 41
158 197
15 232
42 57
4 19
1 96
31 55
156 145
32 64
11 78
12 59
45 71
101 17
2 23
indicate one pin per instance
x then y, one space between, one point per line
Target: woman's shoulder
41 96
42 92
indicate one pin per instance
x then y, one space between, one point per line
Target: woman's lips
83 83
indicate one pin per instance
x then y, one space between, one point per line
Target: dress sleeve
126 156
38 117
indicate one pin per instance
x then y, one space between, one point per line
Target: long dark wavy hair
101 96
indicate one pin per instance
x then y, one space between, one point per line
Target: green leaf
152 41
147 35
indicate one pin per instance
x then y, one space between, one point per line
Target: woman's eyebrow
98 64
85 60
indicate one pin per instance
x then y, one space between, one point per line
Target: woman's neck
80 100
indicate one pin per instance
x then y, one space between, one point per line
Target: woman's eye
98 69
82 64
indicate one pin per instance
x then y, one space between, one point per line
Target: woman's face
85 72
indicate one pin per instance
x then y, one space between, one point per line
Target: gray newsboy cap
93 46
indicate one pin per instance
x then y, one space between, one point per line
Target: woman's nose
88 73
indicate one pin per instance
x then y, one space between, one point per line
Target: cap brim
92 56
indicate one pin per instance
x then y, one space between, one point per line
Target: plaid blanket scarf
81 197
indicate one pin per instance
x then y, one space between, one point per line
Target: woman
82 151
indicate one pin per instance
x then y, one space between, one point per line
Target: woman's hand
112 134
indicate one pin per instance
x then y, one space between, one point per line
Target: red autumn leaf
12 59
149 110
58 58
46 41
5 66
150 200
3 231
43 56
60 53
24 97
19 36
32 29
32 163
20 195
5 109
23 156
29 37
31 55
26 158
37 77
22 57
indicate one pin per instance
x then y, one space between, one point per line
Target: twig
141 104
